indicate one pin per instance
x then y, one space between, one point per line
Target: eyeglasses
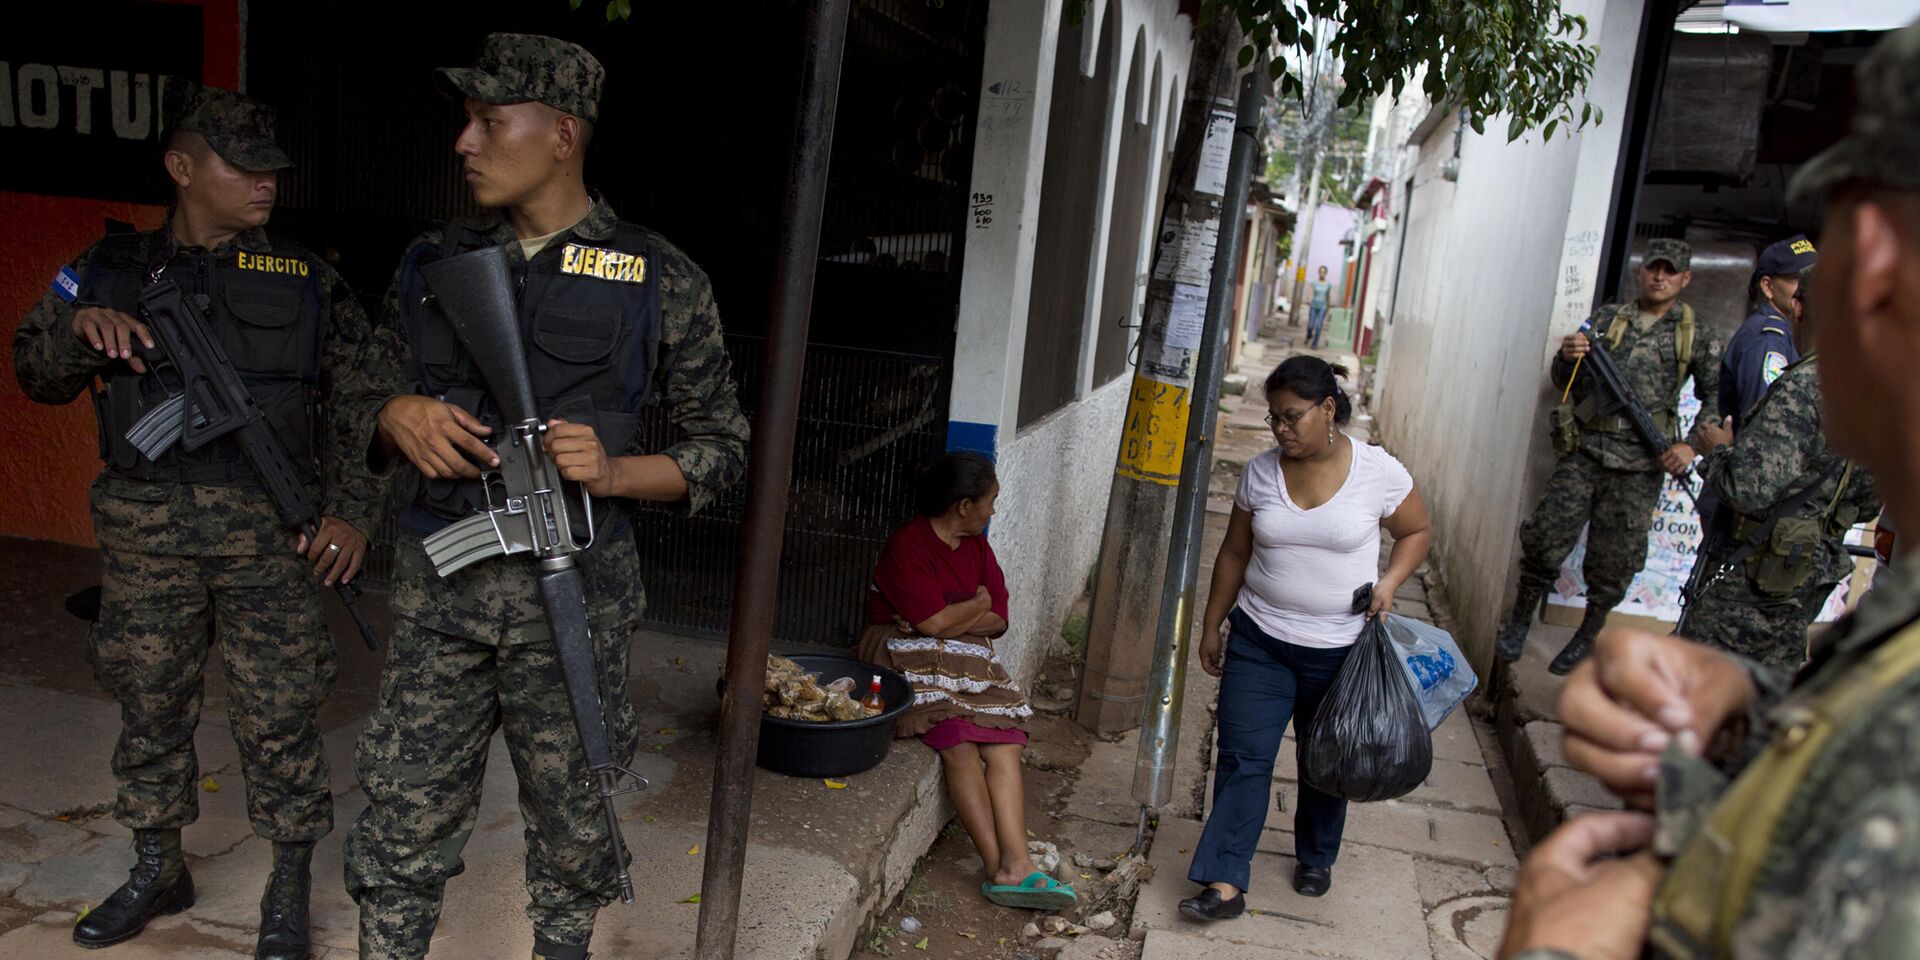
1288 419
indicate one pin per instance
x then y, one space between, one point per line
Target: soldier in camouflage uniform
617 318
1607 481
1787 819
192 540
1761 587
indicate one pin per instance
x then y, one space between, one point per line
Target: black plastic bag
1369 740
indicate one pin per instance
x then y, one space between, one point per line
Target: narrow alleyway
1425 876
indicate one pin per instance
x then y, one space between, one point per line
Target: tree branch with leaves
1523 59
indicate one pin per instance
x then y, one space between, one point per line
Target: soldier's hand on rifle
1573 346
1637 694
112 333
1678 459
337 549
1716 435
576 450
438 437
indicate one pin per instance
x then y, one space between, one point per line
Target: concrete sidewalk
1427 876
822 859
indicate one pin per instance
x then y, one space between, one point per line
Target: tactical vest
591 335
1663 416
268 310
1709 886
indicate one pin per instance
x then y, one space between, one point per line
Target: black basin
798 748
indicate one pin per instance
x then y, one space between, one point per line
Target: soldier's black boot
158 884
283 910
1513 635
1577 649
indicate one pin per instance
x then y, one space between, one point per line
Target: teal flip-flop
1037 892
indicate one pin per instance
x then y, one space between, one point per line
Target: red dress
961 690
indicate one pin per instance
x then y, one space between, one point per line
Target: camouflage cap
1675 252
1883 145
238 128
526 67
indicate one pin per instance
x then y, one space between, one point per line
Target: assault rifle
533 517
1628 403
213 402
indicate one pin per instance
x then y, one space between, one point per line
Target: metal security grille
869 422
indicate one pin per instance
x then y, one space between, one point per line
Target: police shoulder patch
66 284
603 264
1773 366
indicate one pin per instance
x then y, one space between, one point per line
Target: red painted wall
52 453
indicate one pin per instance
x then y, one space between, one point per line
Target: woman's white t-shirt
1307 563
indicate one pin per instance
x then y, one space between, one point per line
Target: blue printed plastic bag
1435 666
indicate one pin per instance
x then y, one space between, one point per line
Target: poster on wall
80 103
1673 539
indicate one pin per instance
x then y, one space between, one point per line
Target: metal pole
1160 733
769 471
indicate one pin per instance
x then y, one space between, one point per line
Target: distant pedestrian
1305 532
937 603
1317 310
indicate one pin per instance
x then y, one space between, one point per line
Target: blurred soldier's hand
112 333
576 450
1571 898
337 550
1716 435
1573 346
440 438
1677 459
1638 693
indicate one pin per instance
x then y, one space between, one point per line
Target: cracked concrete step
1372 913
1430 832
1167 945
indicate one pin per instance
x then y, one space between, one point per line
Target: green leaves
1523 60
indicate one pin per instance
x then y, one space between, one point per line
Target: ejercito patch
603 264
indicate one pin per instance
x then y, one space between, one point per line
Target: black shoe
1209 905
283 909
1570 655
157 885
1512 638
1312 881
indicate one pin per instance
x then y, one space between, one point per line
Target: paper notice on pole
1159 362
1188 316
1211 177
1187 250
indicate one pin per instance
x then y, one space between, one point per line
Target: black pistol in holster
213 402
532 515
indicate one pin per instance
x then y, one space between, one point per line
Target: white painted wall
1055 474
1498 266
1054 478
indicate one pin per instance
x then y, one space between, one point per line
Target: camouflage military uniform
1779 450
472 653
180 557
1611 483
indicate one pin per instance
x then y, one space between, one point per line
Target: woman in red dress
937 602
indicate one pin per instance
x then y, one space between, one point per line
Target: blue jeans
1265 682
1316 322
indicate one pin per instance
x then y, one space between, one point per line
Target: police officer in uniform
193 549
1787 819
1786 502
1764 346
615 318
1605 474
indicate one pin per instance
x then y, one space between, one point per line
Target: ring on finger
334 547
